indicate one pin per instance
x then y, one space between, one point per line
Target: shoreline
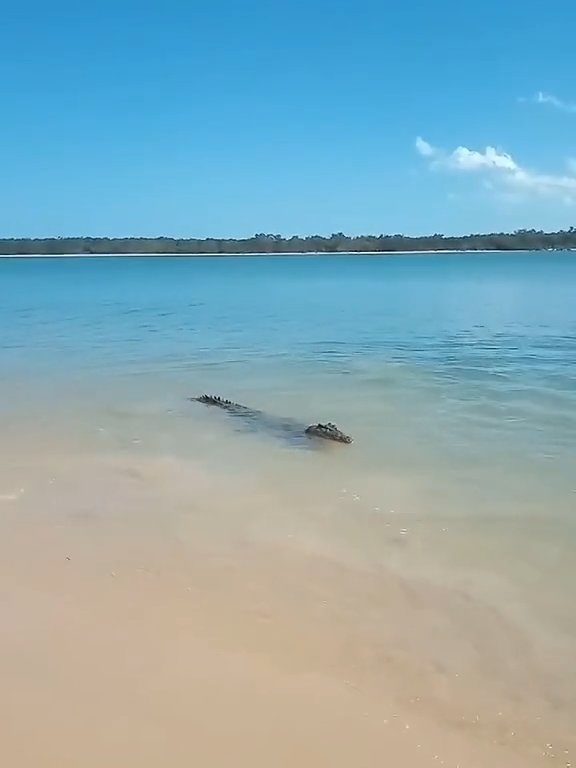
435 252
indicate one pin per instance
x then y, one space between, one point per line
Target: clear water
487 343
454 373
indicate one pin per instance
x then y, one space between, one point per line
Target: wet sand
156 613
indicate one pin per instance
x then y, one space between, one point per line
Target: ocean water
456 369
454 373
474 352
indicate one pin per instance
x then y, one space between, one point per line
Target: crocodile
288 428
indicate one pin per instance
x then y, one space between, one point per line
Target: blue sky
227 118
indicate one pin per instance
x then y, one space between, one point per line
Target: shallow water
458 365
455 374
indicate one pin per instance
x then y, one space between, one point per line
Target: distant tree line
522 239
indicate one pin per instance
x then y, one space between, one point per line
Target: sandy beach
138 629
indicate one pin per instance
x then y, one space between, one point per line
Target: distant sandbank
421 252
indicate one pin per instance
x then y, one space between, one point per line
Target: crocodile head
328 431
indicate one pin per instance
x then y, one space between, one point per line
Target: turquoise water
447 369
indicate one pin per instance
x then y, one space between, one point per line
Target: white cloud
465 159
541 182
499 170
553 101
425 149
